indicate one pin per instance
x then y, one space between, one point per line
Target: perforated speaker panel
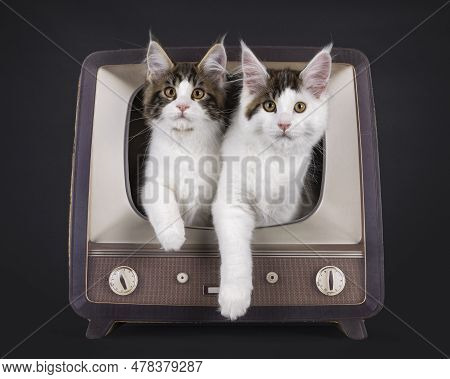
158 283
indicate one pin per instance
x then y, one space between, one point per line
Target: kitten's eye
198 94
300 107
269 106
170 92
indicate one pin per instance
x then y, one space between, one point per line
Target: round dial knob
182 277
330 280
272 277
123 280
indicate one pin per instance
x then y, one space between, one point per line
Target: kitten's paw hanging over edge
234 300
172 238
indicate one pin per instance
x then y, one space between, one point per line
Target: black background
38 98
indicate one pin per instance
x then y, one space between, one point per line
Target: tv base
354 329
99 328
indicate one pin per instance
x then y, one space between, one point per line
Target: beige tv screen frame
113 220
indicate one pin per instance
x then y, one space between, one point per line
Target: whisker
143 131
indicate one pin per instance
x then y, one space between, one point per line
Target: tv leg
98 328
353 329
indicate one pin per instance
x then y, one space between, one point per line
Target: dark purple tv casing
102 316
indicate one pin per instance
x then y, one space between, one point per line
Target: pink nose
284 126
182 107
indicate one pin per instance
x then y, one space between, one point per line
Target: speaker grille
158 283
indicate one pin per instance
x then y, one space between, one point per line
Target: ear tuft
328 48
316 74
254 73
158 63
214 63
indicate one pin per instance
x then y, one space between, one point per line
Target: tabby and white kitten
281 116
183 106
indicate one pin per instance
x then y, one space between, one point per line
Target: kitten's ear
316 74
214 63
254 73
158 63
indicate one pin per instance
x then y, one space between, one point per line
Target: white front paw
234 300
172 238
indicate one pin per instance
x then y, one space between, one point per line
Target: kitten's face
185 97
286 106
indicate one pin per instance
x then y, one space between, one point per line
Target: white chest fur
182 167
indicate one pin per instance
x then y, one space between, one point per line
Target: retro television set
326 266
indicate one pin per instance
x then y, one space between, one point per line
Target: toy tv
325 267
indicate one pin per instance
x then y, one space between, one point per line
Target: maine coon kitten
183 106
281 116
